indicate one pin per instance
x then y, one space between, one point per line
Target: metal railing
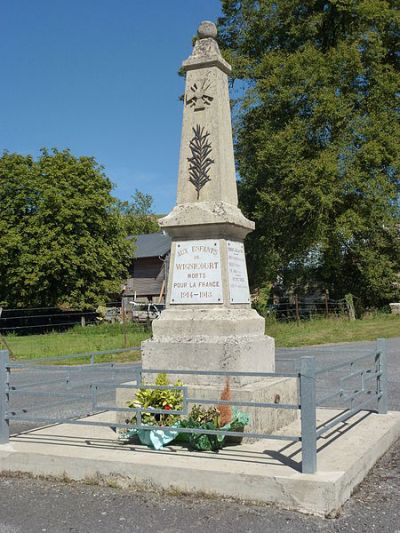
306 308
36 320
110 376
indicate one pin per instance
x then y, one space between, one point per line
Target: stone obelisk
208 323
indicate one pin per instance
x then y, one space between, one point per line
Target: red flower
167 407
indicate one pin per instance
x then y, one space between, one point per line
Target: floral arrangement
222 416
166 399
201 418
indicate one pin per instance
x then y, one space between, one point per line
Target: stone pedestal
209 323
210 339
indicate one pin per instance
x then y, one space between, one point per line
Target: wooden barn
149 270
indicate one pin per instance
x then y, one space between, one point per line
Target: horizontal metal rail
49 394
164 428
133 410
47 326
53 315
324 350
372 375
223 373
365 374
342 394
355 394
342 418
357 373
207 402
86 367
20 309
238 403
330 396
43 406
346 363
39 384
32 362
145 386
65 402
75 384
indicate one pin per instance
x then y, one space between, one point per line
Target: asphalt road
31 505
327 355
65 391
34 506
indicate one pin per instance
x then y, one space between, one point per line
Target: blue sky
100 77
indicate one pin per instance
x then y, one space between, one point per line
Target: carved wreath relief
200 162
198 98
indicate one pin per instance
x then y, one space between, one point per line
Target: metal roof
152 245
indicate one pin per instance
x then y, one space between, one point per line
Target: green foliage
62 240
137 215
332 330
261 301
107 329
317 140
108 336
99 337
200 415
201 418
170 399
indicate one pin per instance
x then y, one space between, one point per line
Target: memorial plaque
196 273
238 281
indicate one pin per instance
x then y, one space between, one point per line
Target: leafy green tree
62 238
317 140
137 215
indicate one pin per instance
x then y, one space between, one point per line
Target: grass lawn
80 340
324 331
107 337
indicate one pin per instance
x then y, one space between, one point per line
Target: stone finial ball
207 30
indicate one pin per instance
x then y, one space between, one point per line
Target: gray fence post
138 379
308 415
4 426
382 378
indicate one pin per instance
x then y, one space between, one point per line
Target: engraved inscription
238 281
200 162
199 98
196 273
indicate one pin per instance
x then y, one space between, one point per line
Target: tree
137 215
62 238
317 140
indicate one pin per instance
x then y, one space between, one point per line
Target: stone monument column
208 323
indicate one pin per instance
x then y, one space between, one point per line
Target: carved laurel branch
200 162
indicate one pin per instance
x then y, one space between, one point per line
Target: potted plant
156 399
210 419
201 418
223 417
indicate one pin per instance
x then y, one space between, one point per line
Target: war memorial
310 458
209 323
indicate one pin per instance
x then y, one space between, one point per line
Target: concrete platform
264 471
